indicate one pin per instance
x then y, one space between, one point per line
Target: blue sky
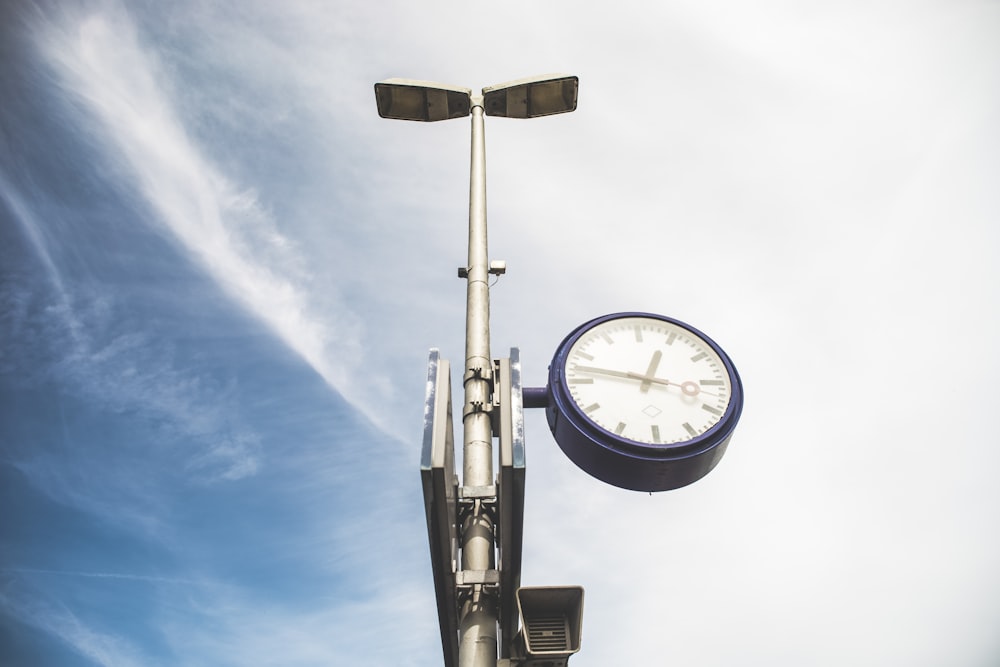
221 271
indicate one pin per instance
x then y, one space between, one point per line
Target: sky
221 274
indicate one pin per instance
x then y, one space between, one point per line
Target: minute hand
608 371
622 374
689 388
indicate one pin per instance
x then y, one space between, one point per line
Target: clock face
648 380
642 401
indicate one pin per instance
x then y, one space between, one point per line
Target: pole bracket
471 582
477 577
476 501
468 493
479 373
476 407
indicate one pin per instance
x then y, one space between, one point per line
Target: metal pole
478 624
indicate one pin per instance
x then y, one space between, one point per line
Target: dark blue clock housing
625 463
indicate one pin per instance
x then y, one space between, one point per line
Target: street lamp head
532 97
406 99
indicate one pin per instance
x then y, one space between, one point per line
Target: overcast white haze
221 273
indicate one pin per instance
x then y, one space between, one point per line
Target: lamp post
469 596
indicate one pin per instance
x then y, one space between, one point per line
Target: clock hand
693 389
621 374
650 371
689 388
649 379
604 371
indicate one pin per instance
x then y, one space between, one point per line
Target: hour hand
650 376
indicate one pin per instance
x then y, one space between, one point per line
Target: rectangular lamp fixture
532 97
407 99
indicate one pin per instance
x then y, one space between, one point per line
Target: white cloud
814 186
106 650
224 625
224 227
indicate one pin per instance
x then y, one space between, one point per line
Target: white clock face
648 380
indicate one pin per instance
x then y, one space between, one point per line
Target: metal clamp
477 577
477 501
479 373
476 407
498 267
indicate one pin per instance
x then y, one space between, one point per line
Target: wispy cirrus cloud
124 576
225 625
90 346
101 648
223 226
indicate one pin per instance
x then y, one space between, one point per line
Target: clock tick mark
620 428
592 407
709 408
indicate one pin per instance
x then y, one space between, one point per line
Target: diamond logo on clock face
648 380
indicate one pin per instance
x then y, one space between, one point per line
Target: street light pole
465 515
478 624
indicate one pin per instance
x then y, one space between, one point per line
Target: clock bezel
629 463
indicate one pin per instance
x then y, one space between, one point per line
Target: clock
642 401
